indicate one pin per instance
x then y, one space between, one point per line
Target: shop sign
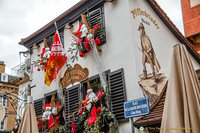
137 107
140 12
77 74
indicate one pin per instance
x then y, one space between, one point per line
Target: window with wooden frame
72 98
38 105
117 91
96 16
53 99
94 82
73 95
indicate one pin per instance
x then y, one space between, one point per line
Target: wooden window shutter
38 105
117 92
96 16
72 98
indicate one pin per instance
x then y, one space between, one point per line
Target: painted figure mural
152 81
148 54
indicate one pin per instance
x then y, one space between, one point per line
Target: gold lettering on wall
139 12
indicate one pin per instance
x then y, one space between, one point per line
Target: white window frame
2 77
3 100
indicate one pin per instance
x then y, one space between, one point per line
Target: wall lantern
69 26
35 46
109 0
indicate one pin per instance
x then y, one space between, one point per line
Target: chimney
2 67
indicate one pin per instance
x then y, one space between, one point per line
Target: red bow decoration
73 125
86 44
57 104
99 109
40 124
51 122
85 101
43 51
93 116
78 32
96 26
97 40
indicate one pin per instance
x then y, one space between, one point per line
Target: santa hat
57 48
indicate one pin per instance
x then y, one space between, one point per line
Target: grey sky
23 17
174 12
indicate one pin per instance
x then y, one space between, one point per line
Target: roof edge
137 123
52 22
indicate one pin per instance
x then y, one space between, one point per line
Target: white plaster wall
120 50
162 39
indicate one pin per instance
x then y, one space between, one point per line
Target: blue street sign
136 107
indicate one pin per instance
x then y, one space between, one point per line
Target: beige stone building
8 98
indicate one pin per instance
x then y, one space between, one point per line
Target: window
38 105
118 94
96 16
3 125
94 83
4 77
3 100
76 93
72 98
116 86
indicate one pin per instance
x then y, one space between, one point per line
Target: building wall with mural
153 44
137 40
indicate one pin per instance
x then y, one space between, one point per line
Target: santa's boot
145 74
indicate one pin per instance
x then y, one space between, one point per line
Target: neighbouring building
127 29
8 98
191 20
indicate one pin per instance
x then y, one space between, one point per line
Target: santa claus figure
47 113
91 97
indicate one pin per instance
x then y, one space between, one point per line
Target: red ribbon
93 116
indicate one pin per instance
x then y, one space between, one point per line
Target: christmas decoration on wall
51 59
93 115
82 39
52 117
41 63
56 60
